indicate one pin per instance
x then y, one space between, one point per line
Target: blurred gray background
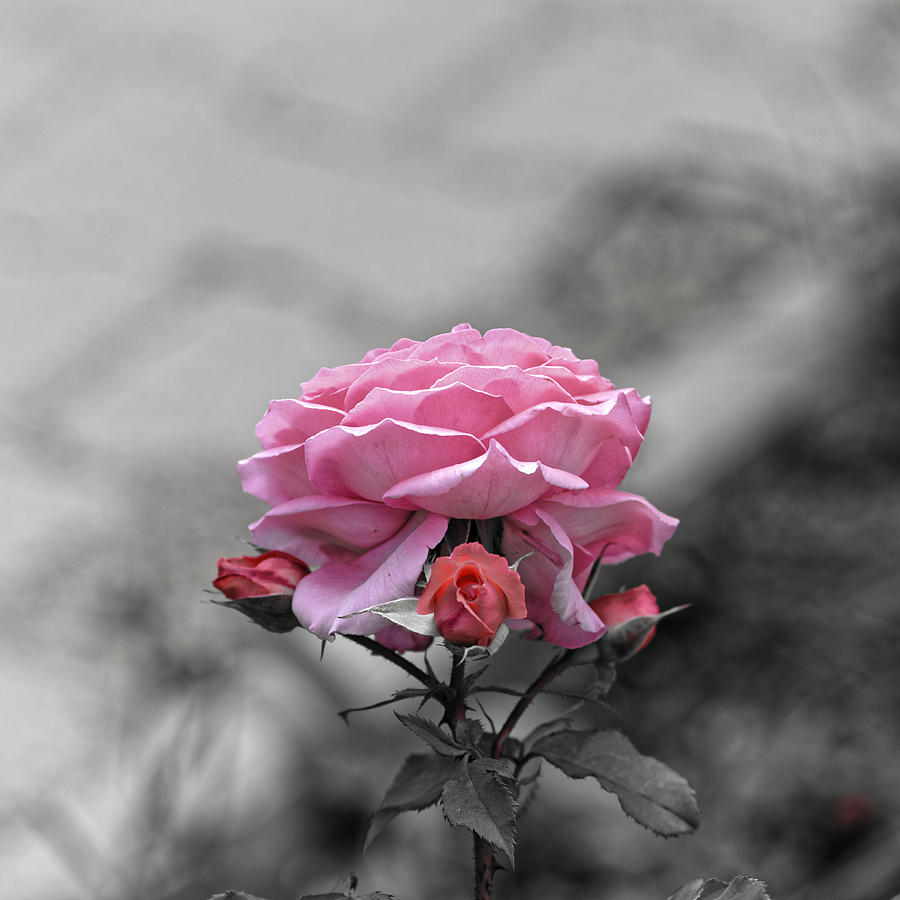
201 203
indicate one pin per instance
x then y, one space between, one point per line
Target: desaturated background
201 203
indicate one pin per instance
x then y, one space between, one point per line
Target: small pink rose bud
269 573
471 593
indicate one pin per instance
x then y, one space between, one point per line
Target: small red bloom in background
471 593
617 609
273 572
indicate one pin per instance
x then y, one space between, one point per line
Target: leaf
469 732
377 895
545 730
648 791
417 785
402 612
432 734
273 611
478 798
741 887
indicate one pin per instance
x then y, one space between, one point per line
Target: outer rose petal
455 407
367 461
616 523
554 601
566 435
609 466
493 484
277 474
397 638
321 529
387 572
293 421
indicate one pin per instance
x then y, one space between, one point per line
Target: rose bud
262 587
623 640
471 593
269 573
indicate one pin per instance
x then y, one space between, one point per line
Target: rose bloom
472 593
366 469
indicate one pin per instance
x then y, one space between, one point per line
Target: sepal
271 611
402 612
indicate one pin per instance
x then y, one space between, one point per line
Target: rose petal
456 407
576 377
490 485
320 529
386 572
554 601
293 421
619 524
395 637
609 466
515 386
368 460
276 475
465 344
565 435
397 374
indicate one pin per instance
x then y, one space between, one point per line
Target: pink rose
273 572
366 469
472 593
617 609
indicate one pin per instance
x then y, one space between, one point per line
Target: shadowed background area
202 203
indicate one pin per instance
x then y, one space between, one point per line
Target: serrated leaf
432 734
417 785
272 611
478 798
742 887
544 730
402 612
648 791
469 732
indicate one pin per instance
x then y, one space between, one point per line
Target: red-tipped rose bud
262 587
471 593
628 630
269 573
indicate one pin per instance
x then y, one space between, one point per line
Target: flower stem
484 868
553 668
456 708
392 656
